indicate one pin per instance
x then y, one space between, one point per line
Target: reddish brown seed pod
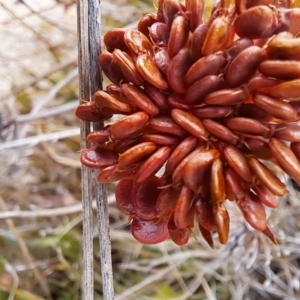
166 124
111 68
159 34
295 147
248 126
171 9
221 132
178 101
123 145
97 157
256 22
179 34
149 231
237 160
99 136
279 109
114 173
258 148
252 111
217 35
236 47
281 69
144 197
139 98
265 196
146 22
136 154
217 182
177 69
179 236
128 126
197 41
212 112
253 211
225 97
222 220
149 71
137 42
235 185
286 90
158 97
290 132
206 234
195 170
122 194
189 122
267 177
206 65
166 200
90 112
204 212
286 158
114 39
128 67
153 164
105 100
161 139
194 10
284 47
162 60
180 152
244 65
197 92
261 82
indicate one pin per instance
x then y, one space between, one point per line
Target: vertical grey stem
89 47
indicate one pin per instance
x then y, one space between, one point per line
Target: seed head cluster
212 105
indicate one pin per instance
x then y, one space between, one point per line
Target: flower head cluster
207 102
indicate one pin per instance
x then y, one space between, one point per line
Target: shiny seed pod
290 132
128 126
197 41
286 158
158 97
253 211
235 186
207 236
123 195
161 139
262 83
171 9
139 98
236 47
225 97
252 111
243 67
248 126
97 157
197 168
111 68
149 231
166 124
180 152
166 200
179 236
282 47
207 65
197 92
189 122
99 136
179 34
136 154
146 22
137 42
237 160
256 22
90 112
222 220
149 71
258 148
184 210
114 173
279 109
287 90
217 35
221 132
159 34
212 112
264 174
114 39
128 67
177 69
281 69
178 101
105 100
153 164
194 10
123 145
266 197
292 20
204 212
270 235
217 182
162 60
